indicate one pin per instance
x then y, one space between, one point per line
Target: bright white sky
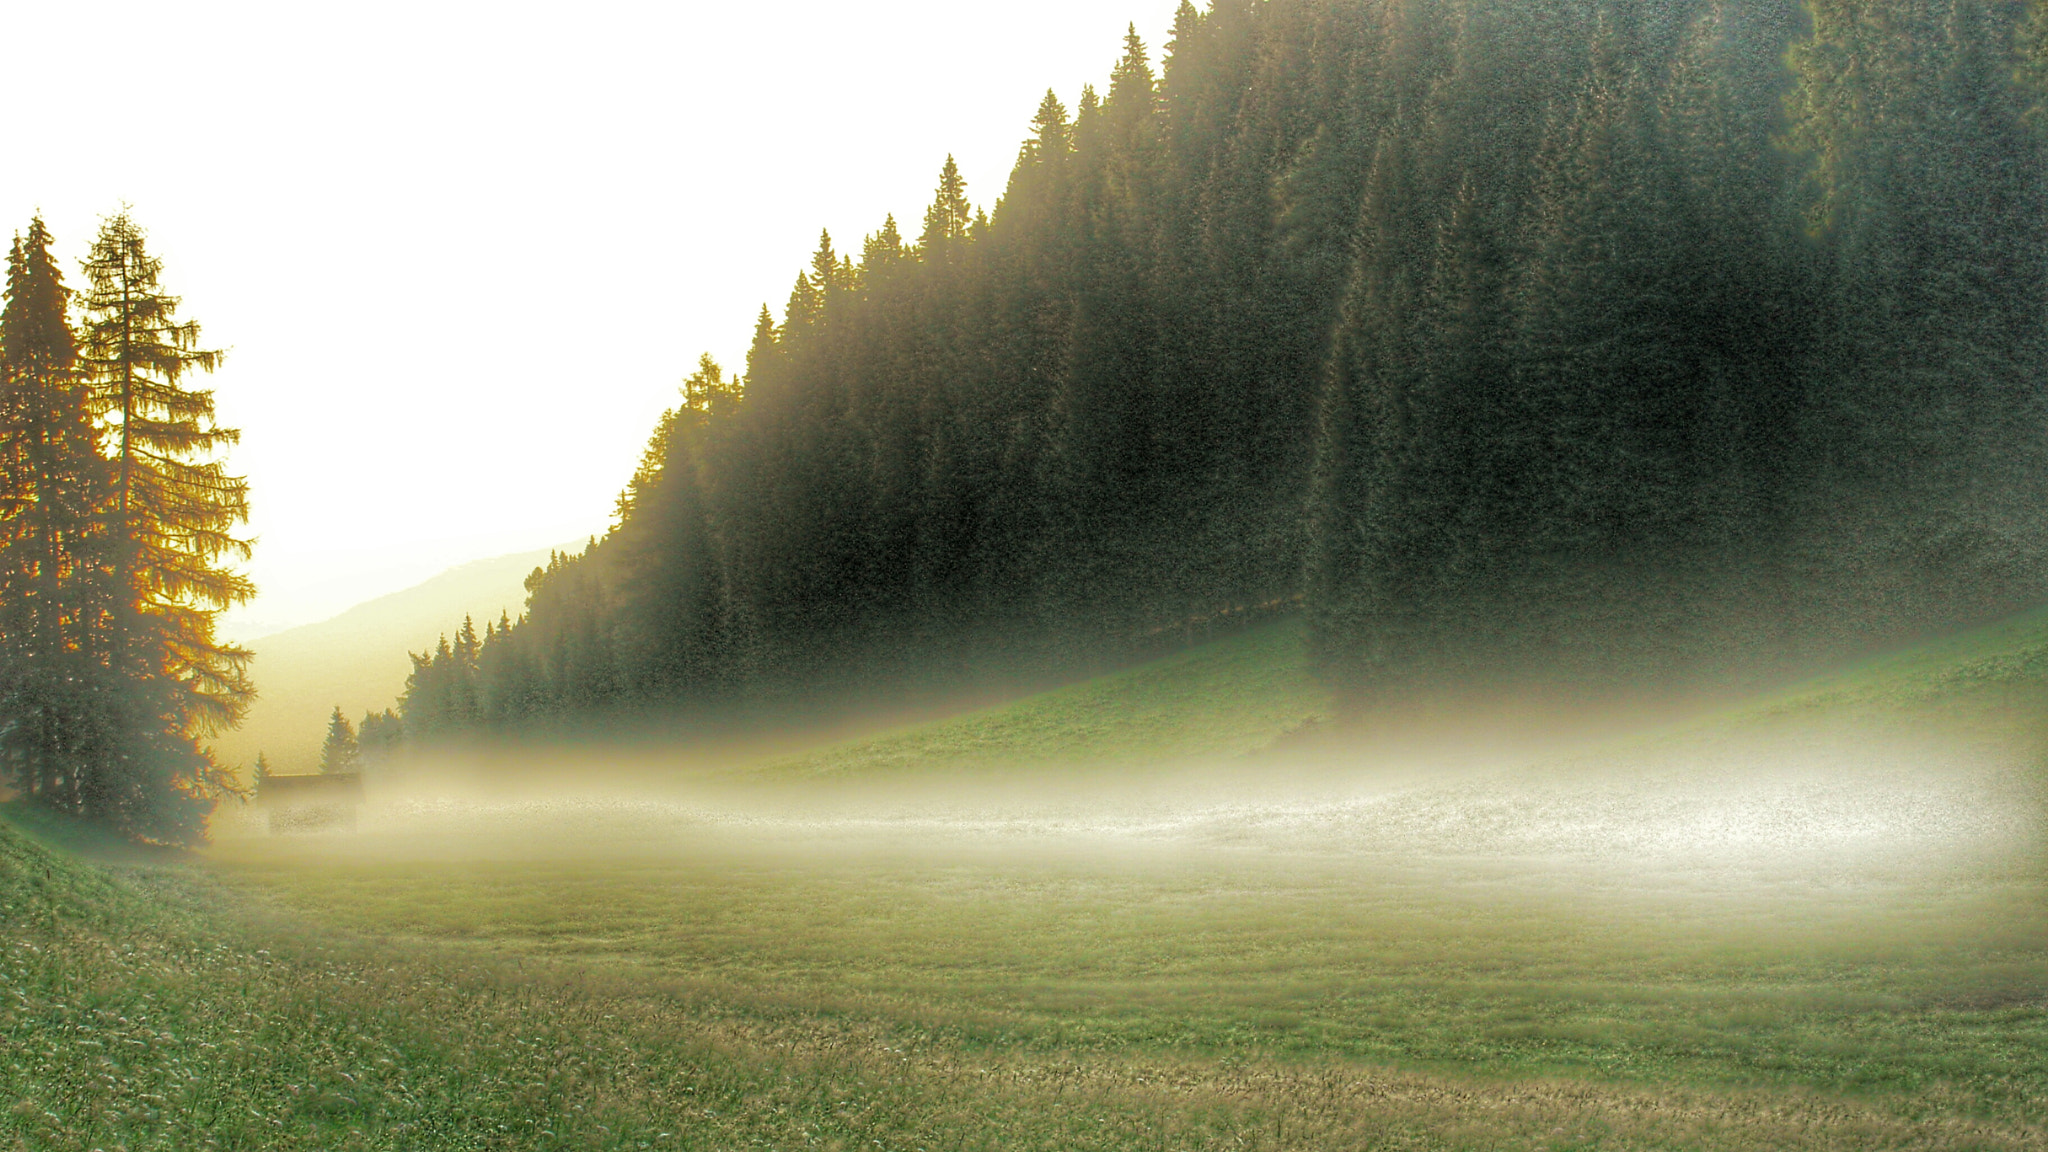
462 254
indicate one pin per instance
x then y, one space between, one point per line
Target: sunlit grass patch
1998 664
1217 700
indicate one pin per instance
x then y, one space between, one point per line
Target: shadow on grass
82 838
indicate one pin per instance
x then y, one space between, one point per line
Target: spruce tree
882 249
671 562
425 703
52 550
174 507
946 221
340 752
1386 524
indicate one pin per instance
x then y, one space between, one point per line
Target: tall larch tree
170 518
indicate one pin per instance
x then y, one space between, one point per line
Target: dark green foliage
1609 340
378 737
1635 395
1926 405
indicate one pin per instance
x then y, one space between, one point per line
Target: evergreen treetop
948 218
175 507
340 752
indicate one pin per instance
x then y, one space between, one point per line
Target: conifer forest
1599 341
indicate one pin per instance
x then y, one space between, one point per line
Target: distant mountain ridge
358 660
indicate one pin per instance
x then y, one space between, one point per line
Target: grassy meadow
1158 910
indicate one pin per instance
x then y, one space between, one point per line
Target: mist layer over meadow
1173 907
1818 799
1788 892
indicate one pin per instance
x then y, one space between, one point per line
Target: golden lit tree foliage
174 507
117 525
2033 64
52 478
169 518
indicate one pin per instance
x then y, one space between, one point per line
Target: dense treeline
1706 357
117 521
1590 336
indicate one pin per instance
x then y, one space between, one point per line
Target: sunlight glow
446 242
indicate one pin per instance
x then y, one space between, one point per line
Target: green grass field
1216 701
1143 912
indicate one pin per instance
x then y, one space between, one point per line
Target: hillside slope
1251 692
1206 352
357 660
1221 699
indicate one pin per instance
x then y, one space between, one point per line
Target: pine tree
946 221
1111 440
425 703
340 752
52 478
505 679
1577 353
1385 523
1278 213
461 704
882 250
1746 282
1133 85
1051 136
805 312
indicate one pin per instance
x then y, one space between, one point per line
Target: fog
1822 807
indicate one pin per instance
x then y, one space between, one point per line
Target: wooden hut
311 803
